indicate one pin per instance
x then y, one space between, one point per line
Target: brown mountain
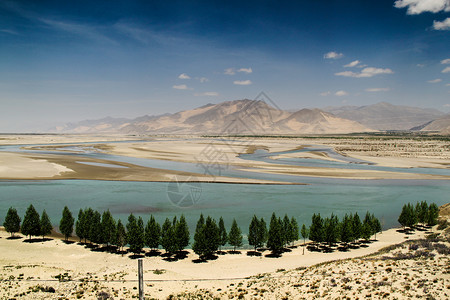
228 118
386 116
441 125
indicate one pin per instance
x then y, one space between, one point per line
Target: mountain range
244 117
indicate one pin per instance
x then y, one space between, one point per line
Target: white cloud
325 94
445 61
333 55
366 72
446 70
203 79
246 70
184 76
442 25
352 64
181 87
420 65
435 80
242 82
378 90
209 94
341 93
446 105
448 84
416 7
229 71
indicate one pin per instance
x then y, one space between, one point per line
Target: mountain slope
442 125
385 116
227 118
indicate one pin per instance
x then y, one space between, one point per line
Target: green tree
168 239
108 228
263 232
305 234
135 234
66 223
235 236
80 226
316 230
182 233
120 238
286 228
253 233
95 230
294 230
357 227
433 214
331 227
199 246
88 216
211 235
403 217
366 231
275 239
152 234
412 216
370 230
31 222
422 212
376 226
46 225
12 221
347 229
222 233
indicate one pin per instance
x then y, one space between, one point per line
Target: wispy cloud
324 94
208 94
446 70
181 87
442 25
416 7
246 70
341 93
203 79
448 84
366 72
352 64
242 82
79 29
8 31
229 71
184 76
333 55
445 61
420 65
374 90
437 80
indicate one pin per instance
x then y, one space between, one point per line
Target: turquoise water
322 195
239 201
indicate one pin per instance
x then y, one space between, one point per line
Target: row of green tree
421 213
210 235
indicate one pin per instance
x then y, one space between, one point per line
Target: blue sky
73 60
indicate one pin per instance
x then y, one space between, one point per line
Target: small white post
141 279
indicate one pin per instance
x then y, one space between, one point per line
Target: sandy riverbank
212 153
38 263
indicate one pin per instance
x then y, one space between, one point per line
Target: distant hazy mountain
386 116
441 125
228 118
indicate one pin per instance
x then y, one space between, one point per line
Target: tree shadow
182 254
343 249
68 242
153 253
221 252
199 260
121 252
14 237
273 254
136 256
32 240
234 252
286 250
293 247
253 253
